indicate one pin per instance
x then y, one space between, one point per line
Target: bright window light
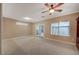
61 28
19 23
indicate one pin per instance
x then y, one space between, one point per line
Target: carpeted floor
30 45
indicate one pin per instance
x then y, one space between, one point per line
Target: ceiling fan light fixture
52 10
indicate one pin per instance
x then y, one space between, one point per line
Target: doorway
77 39
39 30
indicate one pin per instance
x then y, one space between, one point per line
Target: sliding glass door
39 30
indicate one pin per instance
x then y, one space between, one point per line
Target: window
61 28
54 28
64 28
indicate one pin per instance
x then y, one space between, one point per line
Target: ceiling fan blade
59 10
45 11
58 5
50 13
47 5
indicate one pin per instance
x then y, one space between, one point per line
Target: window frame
51 32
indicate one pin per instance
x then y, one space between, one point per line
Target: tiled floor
29 45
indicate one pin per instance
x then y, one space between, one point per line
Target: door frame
77 41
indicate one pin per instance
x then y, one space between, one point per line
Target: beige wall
0 27
10 29
71 18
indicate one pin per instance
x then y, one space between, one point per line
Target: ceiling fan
53 7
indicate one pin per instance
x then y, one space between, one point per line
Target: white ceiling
33 10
